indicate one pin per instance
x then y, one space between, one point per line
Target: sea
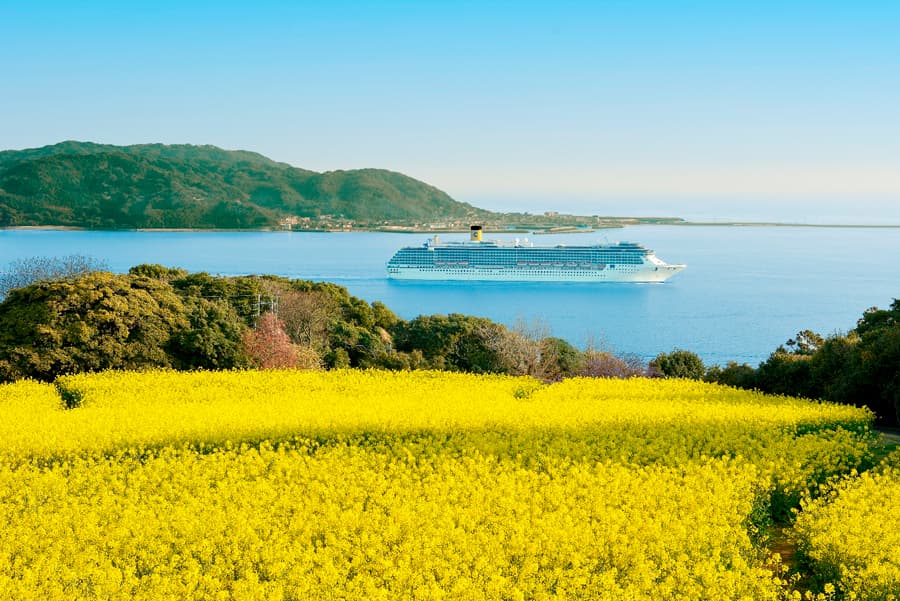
746 289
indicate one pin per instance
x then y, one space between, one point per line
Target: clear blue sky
717 108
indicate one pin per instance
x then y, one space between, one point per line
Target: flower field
423 485
851 536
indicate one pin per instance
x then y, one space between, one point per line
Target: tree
878 319
384 317
874 375
242 292
433 335
559 359
518 350
478 349
399 361
604 364
306 316
834 368
269 346
308 358
337 359
738 375
861 368
159 272
679 364
22 272
879 371
212 339
97 321
786 373
806 342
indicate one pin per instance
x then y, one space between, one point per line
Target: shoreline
510 230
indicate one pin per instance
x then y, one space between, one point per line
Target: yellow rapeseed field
851 534
380 485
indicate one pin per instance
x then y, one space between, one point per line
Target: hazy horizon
806 211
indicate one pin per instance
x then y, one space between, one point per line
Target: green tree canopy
95 322
679 364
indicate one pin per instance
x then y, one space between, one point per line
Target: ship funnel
475 233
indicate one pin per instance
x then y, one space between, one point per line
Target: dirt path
890 436
780 539
780 542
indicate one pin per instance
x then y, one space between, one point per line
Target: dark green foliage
337 359
876 366
454 342
875 319
161 317
861 368
98 321
830 366
158 272
399 361
384 317
244 293
787 373
159 186
474 348
432 335
738 375
361 346
559 359
678 364
805 343
212 339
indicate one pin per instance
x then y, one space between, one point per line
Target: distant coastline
187 188
788 224
510 229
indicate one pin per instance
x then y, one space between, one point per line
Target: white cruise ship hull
498 261
624 273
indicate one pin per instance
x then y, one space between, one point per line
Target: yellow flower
381 485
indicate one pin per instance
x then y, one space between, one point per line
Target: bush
604 364
738 375
678 364
98 321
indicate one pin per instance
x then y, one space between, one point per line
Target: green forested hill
156 185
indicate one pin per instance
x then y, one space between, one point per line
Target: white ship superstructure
522 261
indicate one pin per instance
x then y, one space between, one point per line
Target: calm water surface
746 289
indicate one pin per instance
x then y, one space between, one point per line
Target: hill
84 184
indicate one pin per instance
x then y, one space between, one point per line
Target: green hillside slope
184 186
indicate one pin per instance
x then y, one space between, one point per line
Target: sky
706 109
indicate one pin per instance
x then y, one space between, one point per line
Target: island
159 186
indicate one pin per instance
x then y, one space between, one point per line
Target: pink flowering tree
269 346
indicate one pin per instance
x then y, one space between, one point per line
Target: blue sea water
746 289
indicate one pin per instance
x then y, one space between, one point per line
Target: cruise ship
522 261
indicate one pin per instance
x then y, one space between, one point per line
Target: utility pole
271 303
